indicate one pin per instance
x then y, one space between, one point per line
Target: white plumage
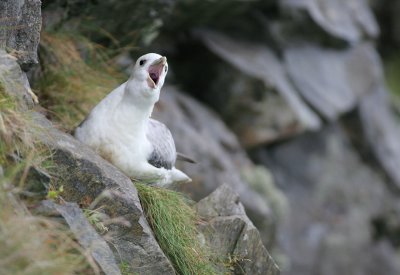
120 129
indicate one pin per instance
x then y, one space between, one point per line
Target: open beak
155 71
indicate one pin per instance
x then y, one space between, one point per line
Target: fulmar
120 129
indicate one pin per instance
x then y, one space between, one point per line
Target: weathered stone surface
250 107
333 81
200 134
345 19
382 132
20 32
232 237
14 80
87 236
334 198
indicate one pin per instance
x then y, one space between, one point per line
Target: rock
272 116
200 134
20 32
91 181
381 132
332 81
232 237
347 20
14 80
87 236
334 197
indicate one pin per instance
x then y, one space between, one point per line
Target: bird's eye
142 62
166 68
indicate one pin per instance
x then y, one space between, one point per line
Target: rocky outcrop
257 62
300 83
334 199
20 29
91 181
234 241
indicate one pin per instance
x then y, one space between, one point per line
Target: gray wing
164 151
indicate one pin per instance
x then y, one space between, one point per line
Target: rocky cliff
282 103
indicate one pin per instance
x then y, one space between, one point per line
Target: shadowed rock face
20 29
334 198
257 62
232 237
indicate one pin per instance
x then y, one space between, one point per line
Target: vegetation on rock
174 224
29 244
70 86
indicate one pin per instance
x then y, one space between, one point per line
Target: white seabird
120 129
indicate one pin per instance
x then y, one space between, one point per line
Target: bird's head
147 78
150 71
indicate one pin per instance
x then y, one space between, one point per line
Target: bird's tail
177 176
183 157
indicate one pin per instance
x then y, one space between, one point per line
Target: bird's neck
134 112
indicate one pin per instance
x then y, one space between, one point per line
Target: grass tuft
28 244
75 76
34 245
174 224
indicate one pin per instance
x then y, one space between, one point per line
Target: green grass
174 224
392 72
29 244
71 86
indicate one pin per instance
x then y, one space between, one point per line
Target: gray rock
232 237
200 134
381 132
14 80
344 19
91 181
257 61
333 81
20 32
334 197
87 236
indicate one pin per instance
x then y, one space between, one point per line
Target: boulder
233 239
20 32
